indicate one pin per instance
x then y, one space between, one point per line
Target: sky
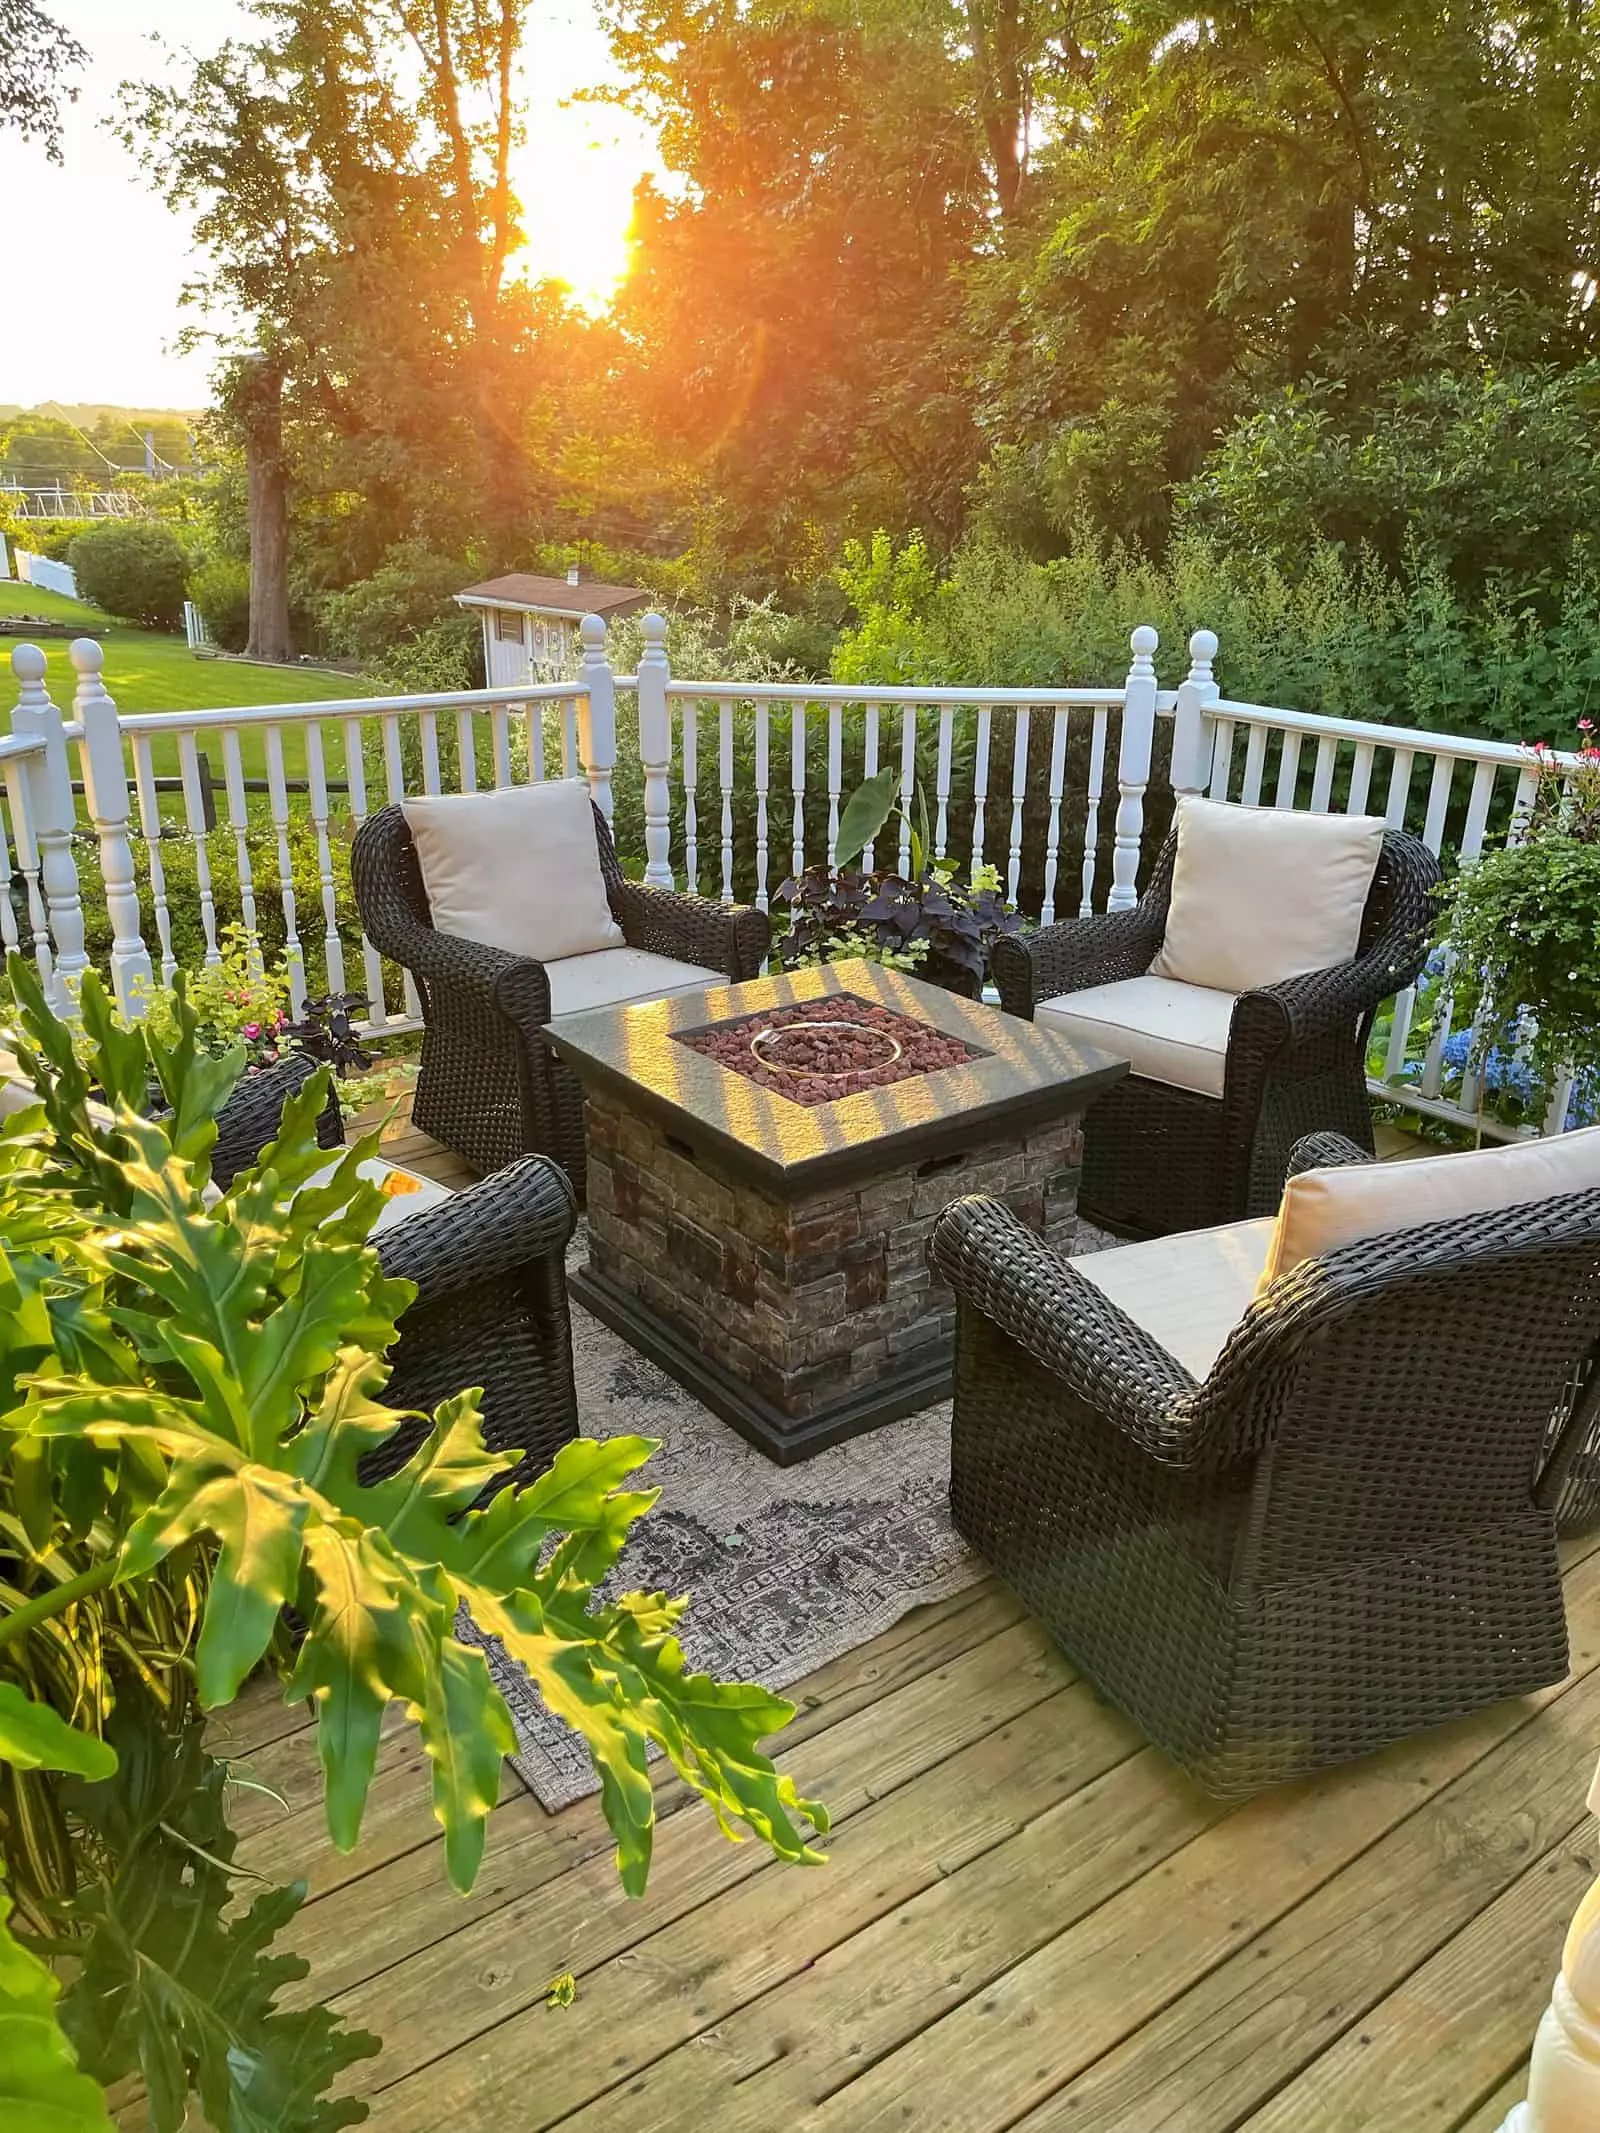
95 262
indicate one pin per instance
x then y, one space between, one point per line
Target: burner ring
812 1073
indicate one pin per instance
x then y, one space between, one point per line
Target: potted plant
186 1391
926 920
1523 937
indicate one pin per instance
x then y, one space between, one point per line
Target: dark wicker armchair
249 1120
490 1310
1159 1158
489 1086
1343 1534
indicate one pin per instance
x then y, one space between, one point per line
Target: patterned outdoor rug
789 1567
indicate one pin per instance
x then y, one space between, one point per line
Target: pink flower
252 1029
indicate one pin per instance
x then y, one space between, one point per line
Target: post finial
28 663
87 654
1144 641
1203 647
653 629
592 631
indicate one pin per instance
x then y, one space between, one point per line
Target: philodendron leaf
864 814
34 1737
41 2089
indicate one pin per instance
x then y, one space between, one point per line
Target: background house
530 624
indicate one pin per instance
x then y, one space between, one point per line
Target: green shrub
220 589
448 654
135 570
411 590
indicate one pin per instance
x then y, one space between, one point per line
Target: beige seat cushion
1323 1209
617 975
518 869
1166 1031
1260 895
1189 1291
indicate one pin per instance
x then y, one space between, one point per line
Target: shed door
508 650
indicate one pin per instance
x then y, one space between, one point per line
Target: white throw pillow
518 869
1261 894
1323 1209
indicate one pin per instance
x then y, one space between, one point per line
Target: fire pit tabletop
1022 1073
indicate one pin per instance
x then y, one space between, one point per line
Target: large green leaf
864 814
34 1737
41 2088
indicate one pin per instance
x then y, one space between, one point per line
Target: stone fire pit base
806 1320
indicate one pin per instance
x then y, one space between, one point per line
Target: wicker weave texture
1337 1540
1160 1159
489 1086
249 1120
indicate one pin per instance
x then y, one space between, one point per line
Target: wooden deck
1029 1920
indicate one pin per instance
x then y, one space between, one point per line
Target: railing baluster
1019 786
1322 776
428 727
1394 813
144 787
1360 779
500 740
689 714
53 882
16 803
355 778
1052 834
1091 818
869 769
467 751
394 786
1221 759
763 779
535 723
239 823
980 782
908 781
1255 764
835 776
1288 772
797 786
278 796
941 783
725 782
195 817
105 788
317 779
1471 845
569 739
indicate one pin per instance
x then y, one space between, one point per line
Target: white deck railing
202 818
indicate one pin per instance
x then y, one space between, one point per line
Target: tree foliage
36 53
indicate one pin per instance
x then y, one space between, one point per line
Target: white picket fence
49 576
726 786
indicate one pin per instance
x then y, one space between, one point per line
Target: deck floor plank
1030 1921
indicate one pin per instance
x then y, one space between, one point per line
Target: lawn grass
145 670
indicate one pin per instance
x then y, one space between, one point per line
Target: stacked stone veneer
812 1301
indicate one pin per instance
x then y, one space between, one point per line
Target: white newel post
50 802
1191 731
597 713
655 749
1564 2078
105 780
1133 768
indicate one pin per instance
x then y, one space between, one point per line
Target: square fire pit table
763 1237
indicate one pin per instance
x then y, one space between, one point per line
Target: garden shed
530 624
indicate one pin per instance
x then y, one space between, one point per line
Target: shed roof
543 596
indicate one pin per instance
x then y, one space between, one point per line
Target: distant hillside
89 414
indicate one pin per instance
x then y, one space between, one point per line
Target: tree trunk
261 411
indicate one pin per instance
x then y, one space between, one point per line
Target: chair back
389 890
1400 1391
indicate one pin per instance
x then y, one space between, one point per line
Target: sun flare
575 177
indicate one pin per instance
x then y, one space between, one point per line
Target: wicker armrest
692 929
250 1118
521 1213
1000 1267
1072 956
1325 1151
514 984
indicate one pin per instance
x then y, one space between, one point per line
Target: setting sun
575 177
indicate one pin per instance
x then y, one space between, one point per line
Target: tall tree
35 54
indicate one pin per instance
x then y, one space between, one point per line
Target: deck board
1029 1919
